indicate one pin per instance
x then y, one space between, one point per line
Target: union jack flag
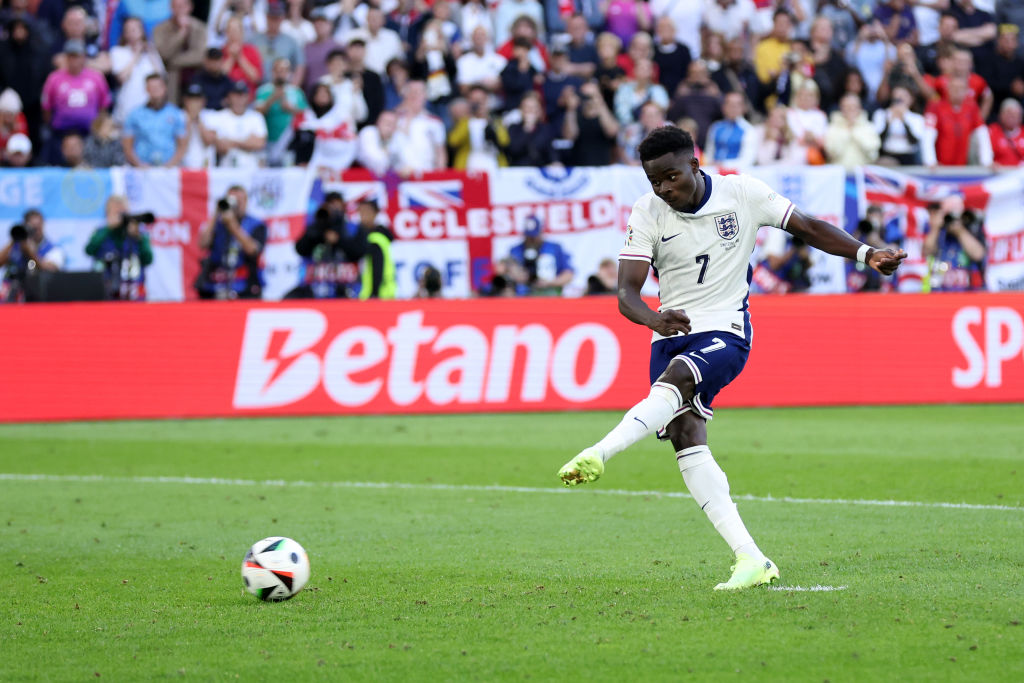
904 199
431 194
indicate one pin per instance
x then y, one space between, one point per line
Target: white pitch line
216 481
807 589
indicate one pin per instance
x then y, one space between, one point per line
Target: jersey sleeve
768 206
641 235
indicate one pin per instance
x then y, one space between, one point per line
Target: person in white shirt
421 137
131 63
688 17
851 140
902 132
481 65
808 123
240 133
699 230
382 44
199 151
329 130
378 145
729 18
506 13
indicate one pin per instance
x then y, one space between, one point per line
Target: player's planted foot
748 572
587 466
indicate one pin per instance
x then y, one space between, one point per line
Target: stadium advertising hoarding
100 361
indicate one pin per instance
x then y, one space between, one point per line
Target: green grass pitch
468 562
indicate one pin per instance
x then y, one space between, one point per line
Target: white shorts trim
697 377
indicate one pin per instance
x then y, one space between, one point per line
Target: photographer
546 264
954 248
331 250
122 251
28 250
235 242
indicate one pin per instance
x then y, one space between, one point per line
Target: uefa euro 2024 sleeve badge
728 225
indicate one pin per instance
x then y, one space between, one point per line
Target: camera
227 203
19 233
146 218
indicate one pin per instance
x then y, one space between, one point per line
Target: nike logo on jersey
666 239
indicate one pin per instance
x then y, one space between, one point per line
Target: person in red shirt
952 121
961 65
526 28
242 61
1007 135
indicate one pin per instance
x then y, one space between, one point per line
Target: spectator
509 279
625 18
199 151
1007 136
1006 69
582 53
610 72
12 120
72 97
808 124
372 84
252 14
902 132
556 81
325 134
531 138
280 102
211 78
147 12
382 44
346 89
1011 13
28 250
525 29
394 83
929 53
24 64
976 27
234 240
434 64
475 13
121 251
688 17
952 122
429 284
78 25
331 251
547 265
591 128
954 248
478 139
439 19
132 62
155 133
652 115
509 12
377 273
103 148
296 26
181 43
72 149
927 16
242 61
480 65
17 151
698 98
897 20
962 67
605 280
776 144
273 45
378 145
519 76
317 50
845 18
713 51
851 140
671 56
420 136
870 54
640 47
737 75
638 90
771 51
240 134
905 73
732 140
829 66
855 85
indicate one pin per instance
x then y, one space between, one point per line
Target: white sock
646 417
710 488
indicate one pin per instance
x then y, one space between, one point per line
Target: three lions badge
728 225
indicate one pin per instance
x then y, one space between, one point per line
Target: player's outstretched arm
632 276
827 237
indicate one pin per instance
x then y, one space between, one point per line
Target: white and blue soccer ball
275 569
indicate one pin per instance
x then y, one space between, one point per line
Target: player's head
671 167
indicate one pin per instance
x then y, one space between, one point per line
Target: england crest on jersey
728 225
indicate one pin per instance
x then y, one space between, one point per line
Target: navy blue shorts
714 358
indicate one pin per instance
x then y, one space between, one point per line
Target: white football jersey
703 258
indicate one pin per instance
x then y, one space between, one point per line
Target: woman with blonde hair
775 144
808 123
103 147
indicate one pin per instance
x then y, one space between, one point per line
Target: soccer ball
275 569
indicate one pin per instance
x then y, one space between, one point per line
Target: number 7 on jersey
704 260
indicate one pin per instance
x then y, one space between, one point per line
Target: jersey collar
707 194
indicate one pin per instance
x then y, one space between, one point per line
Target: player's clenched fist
886 261
672 321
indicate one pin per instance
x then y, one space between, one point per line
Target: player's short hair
665 140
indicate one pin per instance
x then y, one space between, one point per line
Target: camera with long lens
227 203
144 218
19 233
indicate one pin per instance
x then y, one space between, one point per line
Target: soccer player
698 231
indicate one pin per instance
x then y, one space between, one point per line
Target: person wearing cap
181 42
280 102
72 97
273 45
547 264
199 151
155 133
373 85
12 120
17 151
240 133
212 80
316 50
